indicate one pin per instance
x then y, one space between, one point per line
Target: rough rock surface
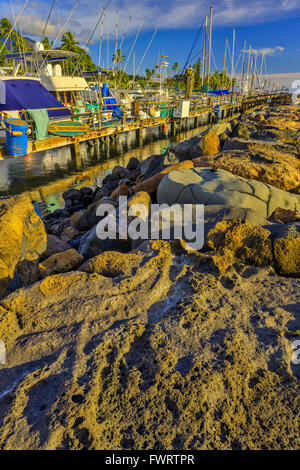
279 169
22 240
205 186
287 254
250 245
61 263
175 356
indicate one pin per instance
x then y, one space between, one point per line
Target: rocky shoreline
147 344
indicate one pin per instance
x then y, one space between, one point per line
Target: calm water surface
47 174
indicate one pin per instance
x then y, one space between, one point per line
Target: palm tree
5 28
22 43
46 43
148 74
118 58
68 42
175 67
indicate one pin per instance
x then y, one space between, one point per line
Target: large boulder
286 248
279 169
248 244
219 187
22 240
208 144
241 130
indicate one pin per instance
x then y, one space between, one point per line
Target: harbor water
46 175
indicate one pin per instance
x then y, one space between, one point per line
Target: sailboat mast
224 63
242 68
204 52
209 45
232 56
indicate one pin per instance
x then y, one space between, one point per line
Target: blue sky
268 26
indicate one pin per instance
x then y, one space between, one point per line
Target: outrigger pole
92 34
47 21
59 34
14 25
142 59
101 36
125 66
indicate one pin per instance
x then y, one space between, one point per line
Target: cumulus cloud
166 15
34 25
268 50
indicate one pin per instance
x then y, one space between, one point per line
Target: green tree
5 51
68 42
22 44
175 67
5 28
148 74
118 58
46 43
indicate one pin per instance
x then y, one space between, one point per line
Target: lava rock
73 194
133 164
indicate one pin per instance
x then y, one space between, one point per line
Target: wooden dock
177 125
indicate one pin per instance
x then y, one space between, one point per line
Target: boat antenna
90 38
125 66
14 25
58 36
47 21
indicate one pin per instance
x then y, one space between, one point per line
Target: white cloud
268 50
166 15
34 25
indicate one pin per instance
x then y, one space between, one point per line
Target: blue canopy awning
25 93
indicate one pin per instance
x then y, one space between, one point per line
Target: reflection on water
47 174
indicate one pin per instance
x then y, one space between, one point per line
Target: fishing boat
84 100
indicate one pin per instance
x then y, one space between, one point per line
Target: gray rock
219 187
120 172
54 245
91 245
